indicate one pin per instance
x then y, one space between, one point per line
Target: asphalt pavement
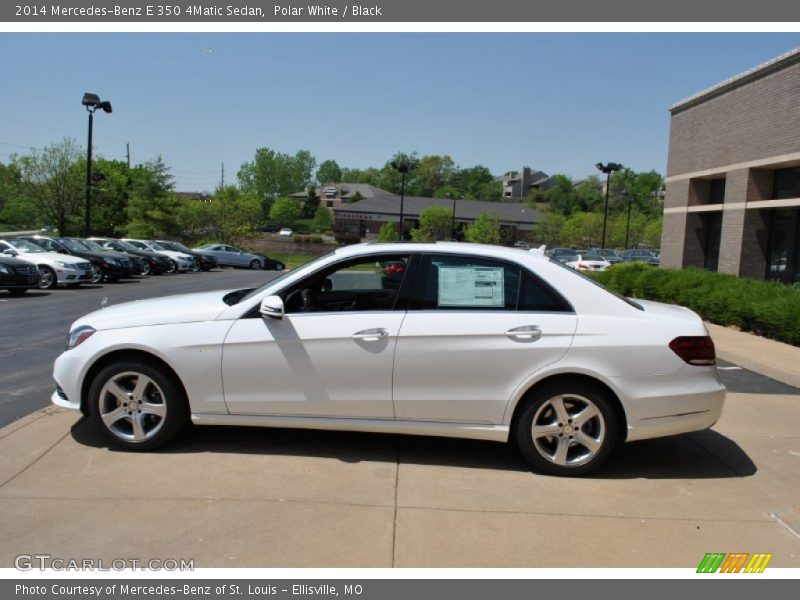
34 326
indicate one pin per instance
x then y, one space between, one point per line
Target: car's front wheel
137 405
567 429
145 268
173 266
97 274
48 278
255 264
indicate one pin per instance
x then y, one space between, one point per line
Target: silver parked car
231 256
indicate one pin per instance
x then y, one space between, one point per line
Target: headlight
62 264
3 269
110 261
79 335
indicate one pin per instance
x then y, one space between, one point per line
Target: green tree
14 209
323 219
153 209
388 232
229 216
434 224
485 230
285 211
560 197
329 172
550 229
310 202
583 229
651 236
431 173
109 196
53 184
272 174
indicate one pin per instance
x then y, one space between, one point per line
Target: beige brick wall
755 121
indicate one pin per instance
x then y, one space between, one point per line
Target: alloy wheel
48 278
146 268
568 430
97 274
132 406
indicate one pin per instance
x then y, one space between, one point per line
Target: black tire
588 442
49 279
255 264
279 266
97 274
173 266
166 392
17 291
145 269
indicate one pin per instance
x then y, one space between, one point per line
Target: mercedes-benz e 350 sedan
441 339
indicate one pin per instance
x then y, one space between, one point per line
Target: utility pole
128 154
222 178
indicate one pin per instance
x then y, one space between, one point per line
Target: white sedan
443 339
56 269
588 262
181 262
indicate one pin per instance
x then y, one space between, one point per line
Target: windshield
169 246
180 247
153 246
593 257
73 245
305 267
138 245
25 246
123 245
92 245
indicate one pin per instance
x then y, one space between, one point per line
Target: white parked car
445 339
56 269
588 262
286 231
180 261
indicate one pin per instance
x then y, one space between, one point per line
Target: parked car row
71 261
600 259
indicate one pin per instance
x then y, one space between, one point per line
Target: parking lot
235 497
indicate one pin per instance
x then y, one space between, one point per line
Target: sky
555 102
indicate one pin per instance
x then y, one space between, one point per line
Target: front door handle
370 335
526 333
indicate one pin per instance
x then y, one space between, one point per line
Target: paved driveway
229 497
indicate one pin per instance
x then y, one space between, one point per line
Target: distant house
197 196
518 185
334 195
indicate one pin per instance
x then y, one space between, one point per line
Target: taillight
582 266
695 350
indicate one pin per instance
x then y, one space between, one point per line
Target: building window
712 227
329 203
716 191
783 251
787 183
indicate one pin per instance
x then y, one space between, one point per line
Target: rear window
598 284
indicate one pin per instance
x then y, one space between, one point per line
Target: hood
185 308
50 257
174 254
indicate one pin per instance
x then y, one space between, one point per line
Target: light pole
607 169
628 195
92 103
403 166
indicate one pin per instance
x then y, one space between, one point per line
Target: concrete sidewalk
768 357
229 497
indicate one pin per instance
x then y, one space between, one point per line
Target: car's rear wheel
48 278
136 405
255 264
173 266
567 429
279 267
145 268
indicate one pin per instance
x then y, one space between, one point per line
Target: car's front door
332 353
476 329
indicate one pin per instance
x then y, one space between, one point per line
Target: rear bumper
669 405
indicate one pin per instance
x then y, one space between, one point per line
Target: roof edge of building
765 68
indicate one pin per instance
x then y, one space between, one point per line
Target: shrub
763 307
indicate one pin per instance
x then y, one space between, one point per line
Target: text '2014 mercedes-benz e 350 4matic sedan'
442 339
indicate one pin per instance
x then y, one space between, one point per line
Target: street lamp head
609 168
90 100
106 106
403 165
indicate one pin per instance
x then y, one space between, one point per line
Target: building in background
518 185
733 176
363 219
334 195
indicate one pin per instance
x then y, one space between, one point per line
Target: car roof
485 250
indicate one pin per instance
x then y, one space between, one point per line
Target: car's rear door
475 330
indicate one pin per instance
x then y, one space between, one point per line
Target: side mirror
272 307
9 252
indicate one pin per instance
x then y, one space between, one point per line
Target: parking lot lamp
92 102
403 166
629 196
607 169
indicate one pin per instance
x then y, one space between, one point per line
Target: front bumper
70 276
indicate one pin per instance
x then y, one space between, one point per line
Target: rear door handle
526 333
370 335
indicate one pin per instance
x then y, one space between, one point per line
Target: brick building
733 175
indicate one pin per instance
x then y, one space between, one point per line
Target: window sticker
471 286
